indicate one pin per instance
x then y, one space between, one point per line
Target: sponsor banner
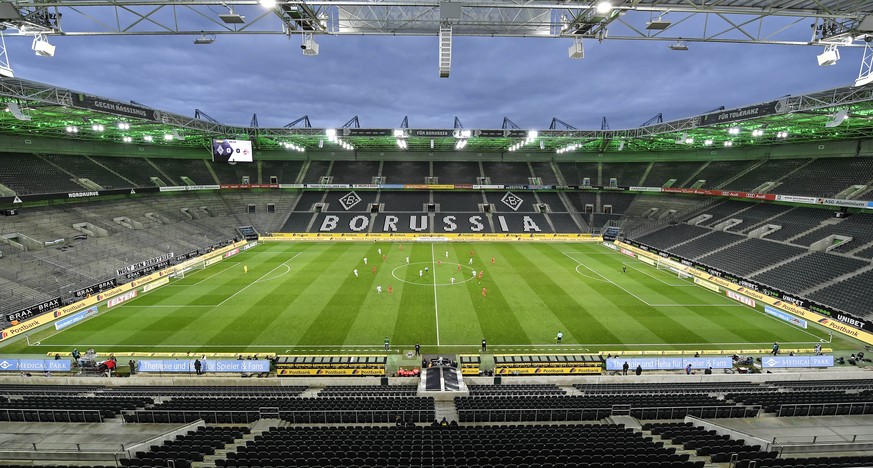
365 186
155 284
646 260
172 188
628 253
707 285
464 186
188 188
796 199
238 186
88 101
415 186
147 270
370 132
143 264
772 362
722 193
739 297
670 363
742 113
75 318
610 245
250 245
436 133
38 321
870 204
231 253
828 322
96 288
488 187
122 298
212 261
82 194
644 189
293 186
328 372
41 365
846 203
238 366
34 310
327 186
547 370
392 186
440 187
784 316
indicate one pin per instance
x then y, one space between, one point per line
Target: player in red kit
484 292
492 260
459 267
374 269
390 289
471 253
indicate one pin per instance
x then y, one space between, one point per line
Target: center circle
428 280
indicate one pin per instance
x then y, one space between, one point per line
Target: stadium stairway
258 427
679 448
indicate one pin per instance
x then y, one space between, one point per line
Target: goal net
668 267
186 267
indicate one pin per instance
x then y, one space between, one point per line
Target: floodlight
321 143
689 140
431 144
728 144
13 109
72 129
782 135
604 7
707 142
543 144
576 50
734 131
658 24
97 127
205 39
123 126
757 132
309 46
232 18
127 139
268 3
398 133
679 45
41 46
147 138
331 134
839 117
532 135
830 56
168 137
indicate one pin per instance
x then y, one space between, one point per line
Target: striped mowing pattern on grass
304 297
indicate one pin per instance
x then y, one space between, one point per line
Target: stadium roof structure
829 23
40 110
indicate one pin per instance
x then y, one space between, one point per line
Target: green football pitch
305 298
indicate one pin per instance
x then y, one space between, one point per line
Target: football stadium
181 292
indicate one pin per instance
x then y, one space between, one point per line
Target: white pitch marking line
738 305
380 347
436 309
643 300
685 284
287 270
255 281
211 276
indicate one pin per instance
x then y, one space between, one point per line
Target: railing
818 409
50 415
298 416
590 414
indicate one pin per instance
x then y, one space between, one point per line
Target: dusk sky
383 79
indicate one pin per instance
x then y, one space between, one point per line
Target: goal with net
188 267
669 267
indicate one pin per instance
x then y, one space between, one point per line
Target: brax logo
349 200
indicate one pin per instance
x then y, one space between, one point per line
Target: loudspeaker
498 380
384 381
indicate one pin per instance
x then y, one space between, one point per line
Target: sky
383 79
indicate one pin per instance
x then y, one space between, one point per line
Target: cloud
383 79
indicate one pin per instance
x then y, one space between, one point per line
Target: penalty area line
259 279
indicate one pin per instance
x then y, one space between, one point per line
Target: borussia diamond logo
771 362
5 365
349 200
512 200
